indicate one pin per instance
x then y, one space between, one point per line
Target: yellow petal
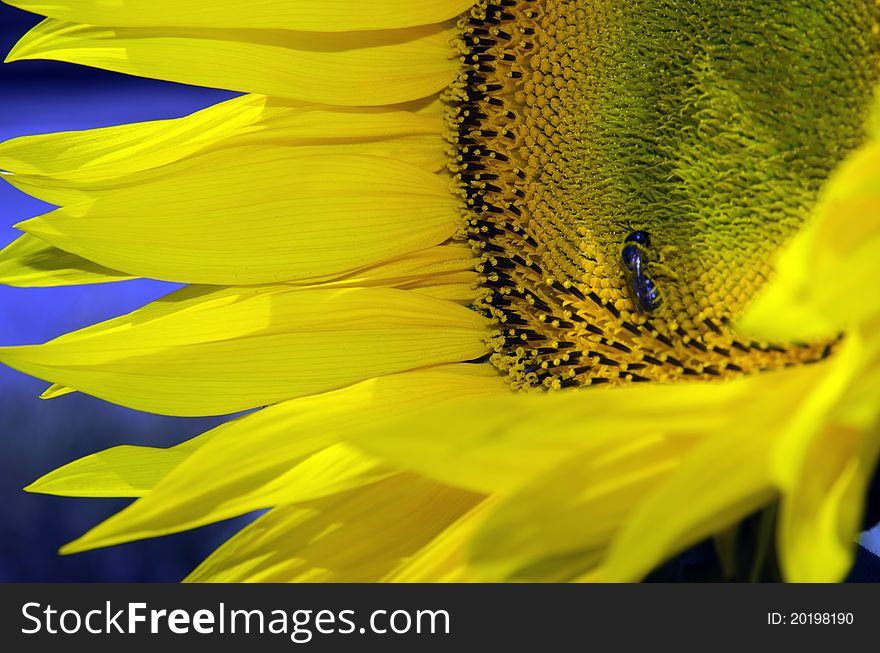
722 480
325 473
720 483
31 262
452 262
335 469
443 272
125 471
461 293
352 69
445 559
99 155
56 390
560 524
70 167
232 474
357 536
199 352
821 518
500 442
824 464
305 15
259 215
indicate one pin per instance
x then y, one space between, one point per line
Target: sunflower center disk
708 125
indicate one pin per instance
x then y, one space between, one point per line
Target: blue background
38 436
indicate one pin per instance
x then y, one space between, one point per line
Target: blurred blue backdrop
38 436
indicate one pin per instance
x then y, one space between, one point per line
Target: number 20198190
810 618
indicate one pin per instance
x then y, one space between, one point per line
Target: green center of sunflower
709 125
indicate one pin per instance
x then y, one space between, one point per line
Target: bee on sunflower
412 242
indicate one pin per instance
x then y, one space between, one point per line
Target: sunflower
522 290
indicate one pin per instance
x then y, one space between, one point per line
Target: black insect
634 256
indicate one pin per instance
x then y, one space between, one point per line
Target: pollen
709 125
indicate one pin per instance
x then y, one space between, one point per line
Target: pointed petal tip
69 548
17 53
43 485
32 488
56 390
86 543
25 225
